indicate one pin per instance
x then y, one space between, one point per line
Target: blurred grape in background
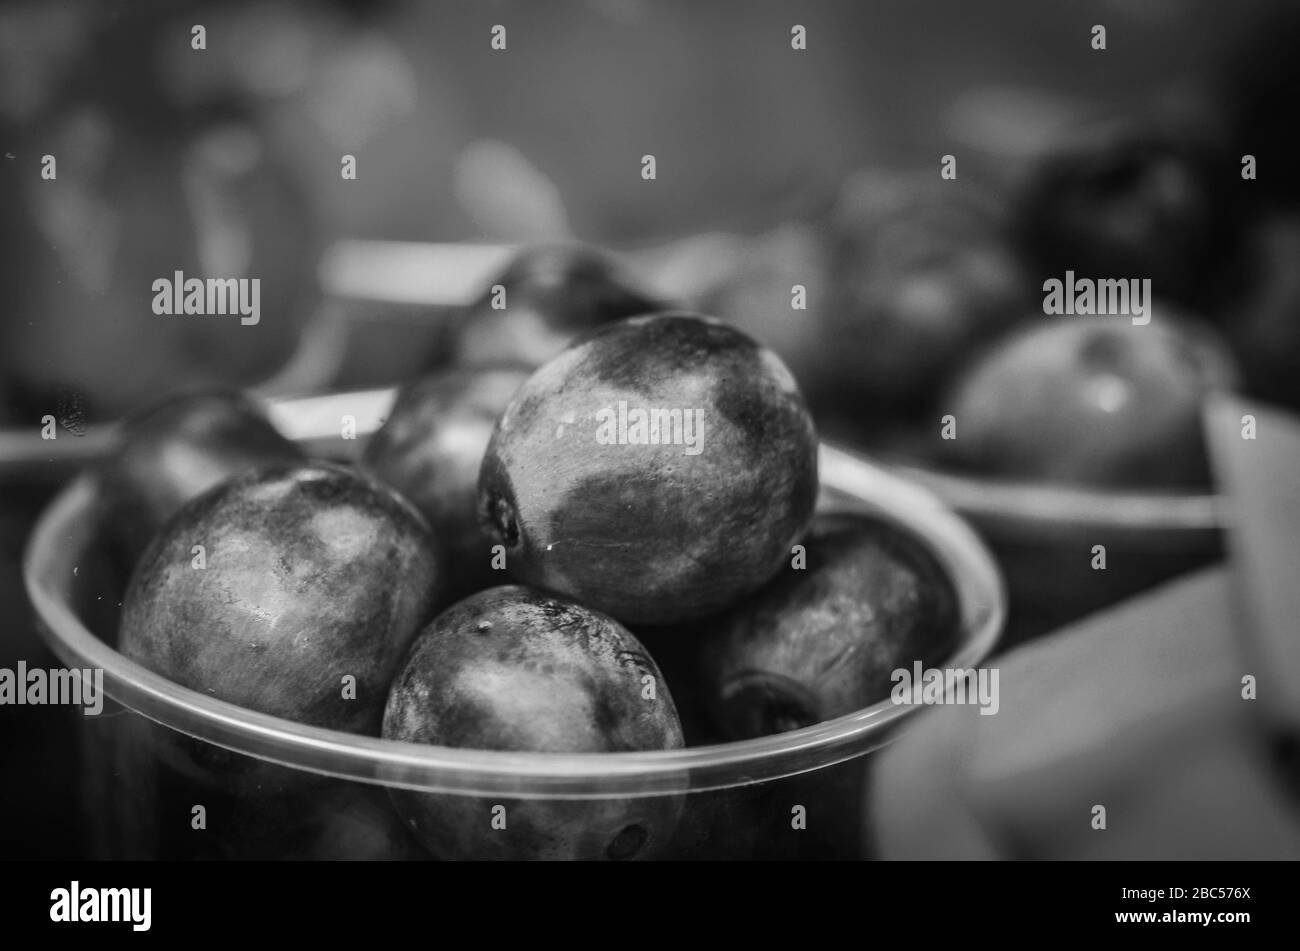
228 158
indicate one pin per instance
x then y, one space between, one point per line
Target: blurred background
817 166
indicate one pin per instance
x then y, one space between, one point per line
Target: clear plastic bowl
271 788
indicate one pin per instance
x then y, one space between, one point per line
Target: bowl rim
1038 504
66 526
